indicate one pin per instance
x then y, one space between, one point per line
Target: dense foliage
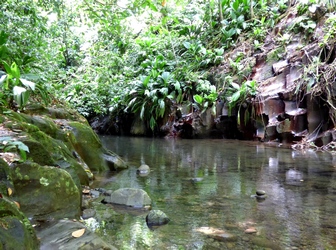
144 56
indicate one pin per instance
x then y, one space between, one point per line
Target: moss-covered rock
41 185
89 147
5 178
44 124
45 191
16 231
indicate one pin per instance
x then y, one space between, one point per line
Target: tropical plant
8 144
207 96
15 88
241 96
151 97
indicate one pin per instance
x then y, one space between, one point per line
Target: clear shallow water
298 213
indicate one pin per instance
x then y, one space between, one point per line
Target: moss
88 146
39 148
18 174
50 191
5 177
44 124
16 232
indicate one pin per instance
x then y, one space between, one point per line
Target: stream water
209 184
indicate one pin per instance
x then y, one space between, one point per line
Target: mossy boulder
46 150
16 232
45 191
91 150
45 124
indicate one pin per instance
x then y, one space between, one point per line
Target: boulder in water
156 218
132 197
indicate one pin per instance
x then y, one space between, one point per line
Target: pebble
88 213
260 192
143 170
251 230
94 193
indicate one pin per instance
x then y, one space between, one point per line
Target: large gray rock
129 197
156 218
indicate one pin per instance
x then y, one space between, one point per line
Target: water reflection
208 183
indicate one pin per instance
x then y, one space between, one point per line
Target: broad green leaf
21 96
22 146
186 45
152 6
5 139
206 104
165 76
177 86
131 102
142 112
235 85
162 104
27 83
235 97
7 68
198 99
146 81
152 123
23 155
164 91
15 70
9 148
2 80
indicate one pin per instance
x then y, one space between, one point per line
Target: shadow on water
207 184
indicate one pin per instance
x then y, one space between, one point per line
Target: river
211 184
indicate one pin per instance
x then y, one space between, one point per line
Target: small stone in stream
197 179
88 213
251 230
95 193
260 192
143 169
227 237
156 218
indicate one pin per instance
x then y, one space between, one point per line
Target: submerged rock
59 236
156 218
129 197
251 230
88 213
143 170
217 234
